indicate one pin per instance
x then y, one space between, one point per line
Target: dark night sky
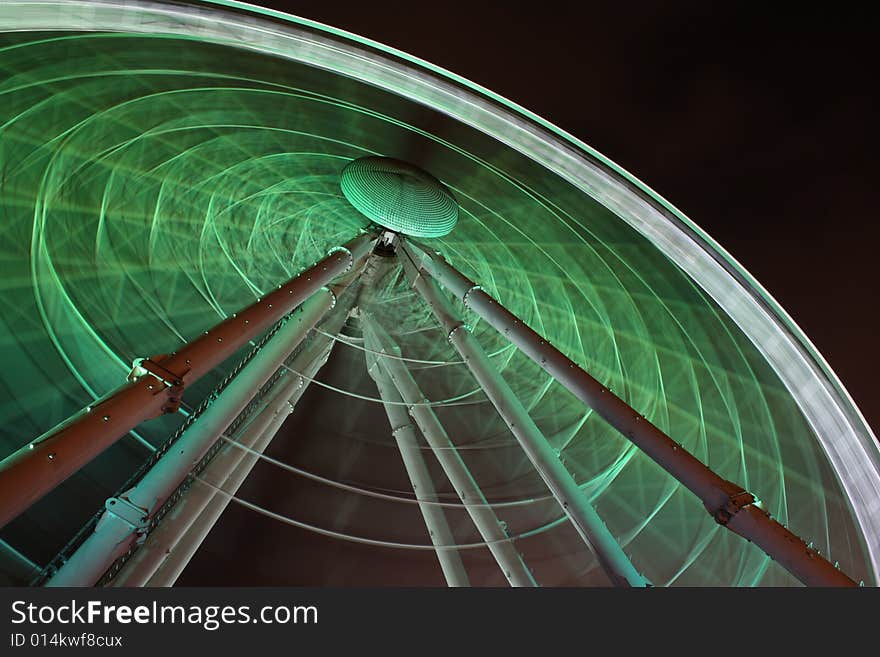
760 127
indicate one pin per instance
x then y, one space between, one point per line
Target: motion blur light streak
162 165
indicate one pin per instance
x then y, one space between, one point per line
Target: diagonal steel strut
228 477
405 435
487 523
155 387
169 549
730 505
559 480
129 518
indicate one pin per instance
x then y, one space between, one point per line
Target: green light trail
152 184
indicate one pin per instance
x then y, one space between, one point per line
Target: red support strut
154 388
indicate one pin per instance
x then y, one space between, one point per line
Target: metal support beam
155 387
487 523
559 480
115 531
405 435
160 544
172 541
170 569
727 502
128 517
176 546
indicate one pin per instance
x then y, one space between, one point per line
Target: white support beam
176 560
417 470
728 503
503 550
614 561
127 518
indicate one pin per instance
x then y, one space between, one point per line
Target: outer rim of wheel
846 439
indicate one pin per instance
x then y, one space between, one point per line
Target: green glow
151 184
399 196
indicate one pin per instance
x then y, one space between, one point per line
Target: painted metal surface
468 490
728 503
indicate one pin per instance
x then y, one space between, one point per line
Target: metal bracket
732 506
175 396
386 246
132 515
167 377
174 383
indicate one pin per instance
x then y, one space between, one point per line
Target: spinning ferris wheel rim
845 437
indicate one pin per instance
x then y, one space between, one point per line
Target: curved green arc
713 246
528 295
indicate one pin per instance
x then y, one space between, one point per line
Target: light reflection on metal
534 226
728 503
512 565
404 433
573 501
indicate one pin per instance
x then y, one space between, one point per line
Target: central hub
399 196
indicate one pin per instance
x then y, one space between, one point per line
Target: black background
757 122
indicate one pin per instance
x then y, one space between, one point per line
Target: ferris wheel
275 292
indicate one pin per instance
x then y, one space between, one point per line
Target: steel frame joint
734 504
173 384
120 508
475 288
